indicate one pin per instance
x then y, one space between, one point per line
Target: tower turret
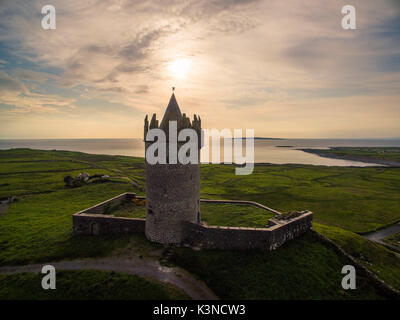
172 189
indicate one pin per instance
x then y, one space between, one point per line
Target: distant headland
262 138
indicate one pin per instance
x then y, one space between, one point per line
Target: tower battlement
172 113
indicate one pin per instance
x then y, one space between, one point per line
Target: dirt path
379 235
383 233
146 268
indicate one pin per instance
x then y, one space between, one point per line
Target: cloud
32 75
245 55
15 93
37 103
8 84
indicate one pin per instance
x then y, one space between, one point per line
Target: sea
277 151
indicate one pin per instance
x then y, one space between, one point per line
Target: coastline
323 153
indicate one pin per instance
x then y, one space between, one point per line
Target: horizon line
271 138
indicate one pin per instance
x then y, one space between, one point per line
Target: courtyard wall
93 221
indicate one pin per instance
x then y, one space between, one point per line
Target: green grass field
88 285
233 215
356 199
127 209
38 227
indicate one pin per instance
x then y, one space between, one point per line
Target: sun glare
179 68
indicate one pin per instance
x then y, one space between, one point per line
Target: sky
283 68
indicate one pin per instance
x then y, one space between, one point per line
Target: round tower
172 189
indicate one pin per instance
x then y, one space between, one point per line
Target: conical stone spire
173 113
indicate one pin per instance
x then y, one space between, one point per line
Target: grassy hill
301 269
38 227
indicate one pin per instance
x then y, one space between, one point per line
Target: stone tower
172 190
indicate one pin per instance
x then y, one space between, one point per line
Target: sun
179 68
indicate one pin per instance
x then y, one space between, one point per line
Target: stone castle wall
96 224
93 221
210 237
